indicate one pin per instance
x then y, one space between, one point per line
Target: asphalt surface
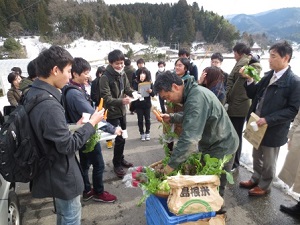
241 209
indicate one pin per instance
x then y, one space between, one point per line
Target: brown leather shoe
126 163
248 184
257 191
119 171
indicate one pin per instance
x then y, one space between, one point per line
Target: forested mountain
62 21
281 23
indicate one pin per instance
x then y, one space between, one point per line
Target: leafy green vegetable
153 185
93 140
164 186
252 72
214 166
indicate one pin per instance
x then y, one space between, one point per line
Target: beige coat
290 172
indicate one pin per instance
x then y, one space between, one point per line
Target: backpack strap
64 99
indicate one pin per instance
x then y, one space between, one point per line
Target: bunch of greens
214 166
93 140
157 181
252 72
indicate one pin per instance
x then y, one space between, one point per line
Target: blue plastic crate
157 213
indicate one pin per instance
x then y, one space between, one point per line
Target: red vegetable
135 183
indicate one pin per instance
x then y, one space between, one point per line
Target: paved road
241 209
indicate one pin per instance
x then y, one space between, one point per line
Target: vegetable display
252 72
196 164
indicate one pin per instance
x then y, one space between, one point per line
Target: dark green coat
113 88
206 125
237 99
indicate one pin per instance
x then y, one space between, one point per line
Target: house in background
256 48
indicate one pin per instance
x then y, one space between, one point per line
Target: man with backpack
76 103
115 90
95 93
62 178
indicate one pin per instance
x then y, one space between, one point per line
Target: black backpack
21 159
95 92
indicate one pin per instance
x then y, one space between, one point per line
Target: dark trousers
162 104
238 124
119 140
94 158
141 114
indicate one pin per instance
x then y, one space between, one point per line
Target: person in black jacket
161 69
143 104
116 93
276 100
193 69
63 179
95 93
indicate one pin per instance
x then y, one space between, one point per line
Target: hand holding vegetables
157 115
250 72
168 170
96 117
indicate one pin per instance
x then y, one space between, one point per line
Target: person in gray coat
62 179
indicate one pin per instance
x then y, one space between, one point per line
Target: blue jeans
94 158
68 211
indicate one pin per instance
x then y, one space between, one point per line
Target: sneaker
119 171
109 144
88 195
104 197
143 138
147 137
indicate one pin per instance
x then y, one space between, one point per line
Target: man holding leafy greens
77 101
206 125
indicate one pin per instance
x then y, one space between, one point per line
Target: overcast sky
225 7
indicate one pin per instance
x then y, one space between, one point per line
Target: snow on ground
96 52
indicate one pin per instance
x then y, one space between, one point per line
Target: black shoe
292 210
126 164
119 171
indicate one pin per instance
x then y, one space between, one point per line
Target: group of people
206 123
197 108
